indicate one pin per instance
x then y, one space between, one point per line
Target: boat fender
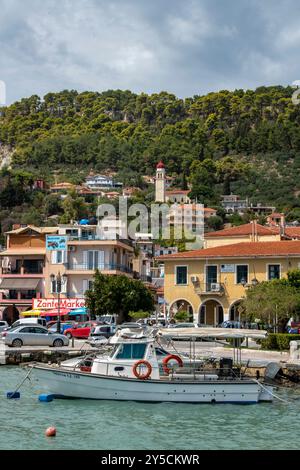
138 374
166 360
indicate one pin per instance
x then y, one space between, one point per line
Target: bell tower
160 183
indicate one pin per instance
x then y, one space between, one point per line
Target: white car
32 335
3 325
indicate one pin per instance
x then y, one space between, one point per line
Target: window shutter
54 257
53 287
85 259
85 285
101 259
64 257
64 285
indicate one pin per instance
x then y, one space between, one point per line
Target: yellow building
251 232
211 283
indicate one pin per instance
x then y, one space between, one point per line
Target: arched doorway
182 305
236 310
211 313
10 314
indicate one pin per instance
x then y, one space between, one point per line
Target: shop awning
31 313
78 311
54 313
19 284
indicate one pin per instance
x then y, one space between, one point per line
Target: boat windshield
131 351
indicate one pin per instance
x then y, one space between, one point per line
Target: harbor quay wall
16 357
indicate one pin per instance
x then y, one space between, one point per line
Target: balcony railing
210 288
142 277
100 267
19 295
21 271
94 237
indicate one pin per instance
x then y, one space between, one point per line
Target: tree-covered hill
242 141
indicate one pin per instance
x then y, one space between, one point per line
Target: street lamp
243 282
57 282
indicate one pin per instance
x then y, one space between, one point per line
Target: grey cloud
185 47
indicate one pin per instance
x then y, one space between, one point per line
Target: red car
81 330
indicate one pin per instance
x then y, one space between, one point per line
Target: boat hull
99 387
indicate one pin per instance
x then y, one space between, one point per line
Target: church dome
160 165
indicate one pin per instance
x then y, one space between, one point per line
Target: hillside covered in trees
246 142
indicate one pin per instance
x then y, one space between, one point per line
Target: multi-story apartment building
27 266
23 269
211 283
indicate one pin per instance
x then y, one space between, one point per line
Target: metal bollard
73 342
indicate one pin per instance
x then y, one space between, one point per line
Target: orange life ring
169 358
138 374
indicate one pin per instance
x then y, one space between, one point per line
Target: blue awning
78 311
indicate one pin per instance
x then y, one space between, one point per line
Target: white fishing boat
132 372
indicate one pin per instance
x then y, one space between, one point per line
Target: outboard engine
226 365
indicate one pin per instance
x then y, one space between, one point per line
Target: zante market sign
53 303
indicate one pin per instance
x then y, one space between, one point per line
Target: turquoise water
103 425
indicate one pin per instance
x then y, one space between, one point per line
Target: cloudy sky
186 47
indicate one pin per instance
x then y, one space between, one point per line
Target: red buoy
50 432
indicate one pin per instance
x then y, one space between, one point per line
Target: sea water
111 425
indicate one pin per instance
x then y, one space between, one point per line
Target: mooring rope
25 378
271 393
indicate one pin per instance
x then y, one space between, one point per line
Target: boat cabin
127 353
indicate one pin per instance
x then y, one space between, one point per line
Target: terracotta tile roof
46 230
292 232
241 250
245 229
63 186
178 191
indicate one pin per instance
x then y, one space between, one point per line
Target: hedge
278 341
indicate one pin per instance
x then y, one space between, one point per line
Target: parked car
153 321
30 321
23 322
63 326
34 336
80 330
110 319
103 330
3 325
293 328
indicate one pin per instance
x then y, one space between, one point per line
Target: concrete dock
16 356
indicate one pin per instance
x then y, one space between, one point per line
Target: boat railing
195 372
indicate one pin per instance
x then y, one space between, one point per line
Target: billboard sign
52 304
56 243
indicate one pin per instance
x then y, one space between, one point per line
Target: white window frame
247 280
63 287
187 274
54 257
273 264
101 259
